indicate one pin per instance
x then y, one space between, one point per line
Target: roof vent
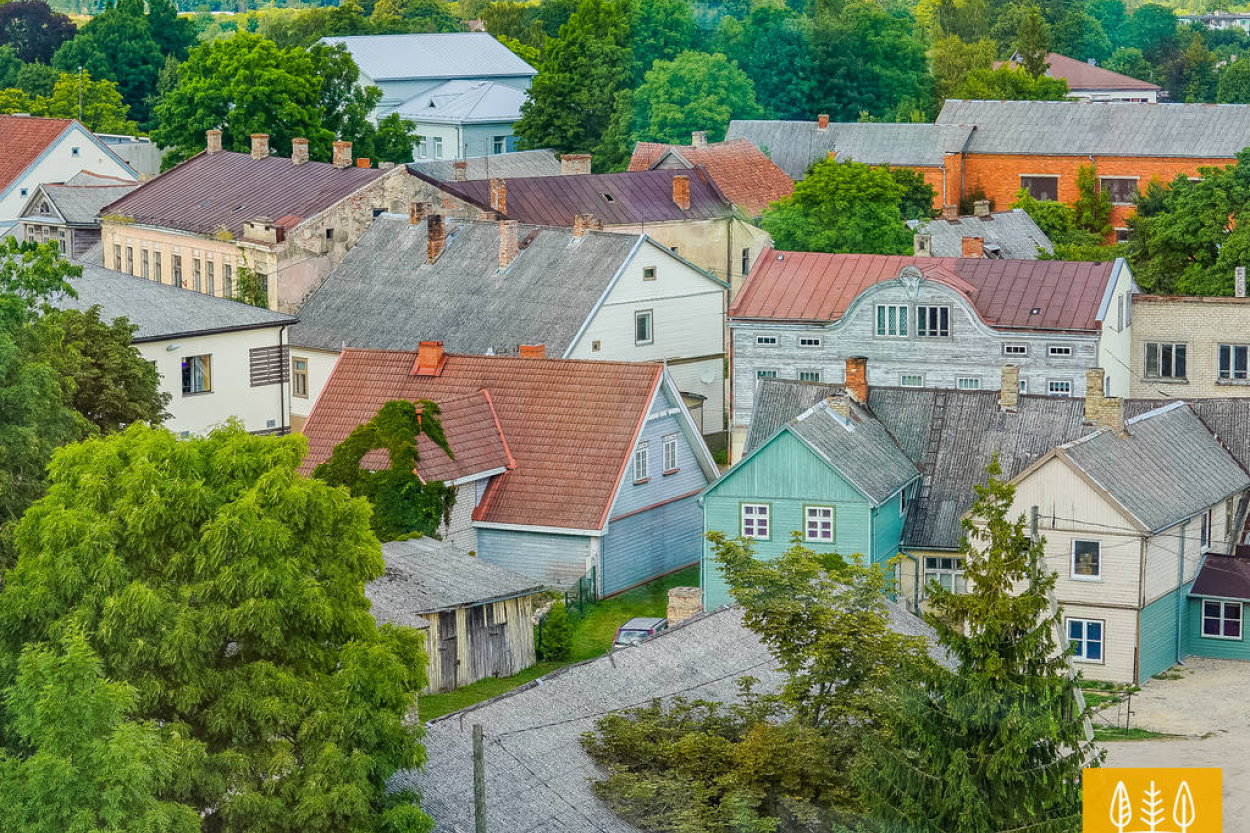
1035 311
609 198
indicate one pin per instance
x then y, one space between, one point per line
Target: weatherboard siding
1163 554
658 487
1158 650
1206 646
555 559
1119 642
641 547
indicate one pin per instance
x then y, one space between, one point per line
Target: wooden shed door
448 649
497 634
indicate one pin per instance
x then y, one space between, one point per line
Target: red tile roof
225 189
812 286
23 139
570 425
1082 76
741 170
616 199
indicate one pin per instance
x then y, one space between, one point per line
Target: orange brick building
1003 146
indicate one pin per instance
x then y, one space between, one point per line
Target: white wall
320 363
1115 342
58 165
232 394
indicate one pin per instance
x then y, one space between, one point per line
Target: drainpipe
1180 597
283 427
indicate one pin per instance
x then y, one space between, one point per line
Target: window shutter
269 365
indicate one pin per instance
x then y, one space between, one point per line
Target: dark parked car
637 629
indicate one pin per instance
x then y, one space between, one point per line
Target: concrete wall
1201 324
58 163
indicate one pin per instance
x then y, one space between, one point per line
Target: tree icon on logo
1152 812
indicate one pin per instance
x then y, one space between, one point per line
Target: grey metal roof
465 102
1007 234
795 145
385 295
537 774
162 311
858 447
79 205
1227 418
1115 128
425 575
440 55
521 163
1167 466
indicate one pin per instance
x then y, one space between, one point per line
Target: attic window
73 151
609 198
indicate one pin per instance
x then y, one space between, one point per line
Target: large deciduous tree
117 44
773 47
33 30
228 591
1010 84
696 91
660 30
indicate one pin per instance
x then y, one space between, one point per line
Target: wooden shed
476 615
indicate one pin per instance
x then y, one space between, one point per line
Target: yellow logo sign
1152 800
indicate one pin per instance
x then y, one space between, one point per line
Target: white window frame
648 316
881 324
903 377
1222 617
1171 348
1072 561
814 375
809 341
648 273
1204 531
1015 349
1231 374
968 383
766 341
669 451
1058 350
641 463
299 377
765 374
1083 655
437 145
943 320
817 516
1024 385
1051 390
935 569
757 512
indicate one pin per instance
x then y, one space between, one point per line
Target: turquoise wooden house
833 474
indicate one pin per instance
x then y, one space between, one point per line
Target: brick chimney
981 208
822 122
1009 394
857 378
430 359
435 237
364 162
972 247
922 244
840 405
416 212
681 191
342 154
260 145
1100 409
1239 282
487 215
583 223
573 164
299 151
212 141
533 351
459 170
683 602
950 212
499 195
507 243
698 139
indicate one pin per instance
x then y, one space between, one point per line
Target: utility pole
479 780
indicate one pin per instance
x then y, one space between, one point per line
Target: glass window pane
1179 361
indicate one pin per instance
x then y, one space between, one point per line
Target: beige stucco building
1190 347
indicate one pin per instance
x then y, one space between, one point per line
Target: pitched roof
742 172
1086 77
425 575
1008 235
386 295
92 178
858 446
439 55
795 145
211 191
518 163
1228 418
813 286
1224 576
162 311
79 205
570 425
616 199
1112 128
465 102
538 776
24 139
1166 468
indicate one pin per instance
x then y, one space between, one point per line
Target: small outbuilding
476 615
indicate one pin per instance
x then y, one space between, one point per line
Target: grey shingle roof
446 55
425 575
384 295
521 163
1007 234
1166 468
162 311
1116 128
795 145
1227 418
79 205
537 774
860 448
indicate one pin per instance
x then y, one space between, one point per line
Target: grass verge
1114 733
437 705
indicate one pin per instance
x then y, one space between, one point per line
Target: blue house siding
659 486
1206 646
649 544
1157 634
558 560
887 530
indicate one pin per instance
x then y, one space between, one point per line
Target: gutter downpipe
1180 597
283 423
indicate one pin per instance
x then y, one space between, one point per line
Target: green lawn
1113 733
592 636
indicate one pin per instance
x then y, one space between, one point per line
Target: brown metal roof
1082 76
616 199
225 189
812 286
1223 575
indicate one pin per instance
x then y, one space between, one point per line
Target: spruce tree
1033 42
998 743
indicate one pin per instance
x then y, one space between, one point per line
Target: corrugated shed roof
859 447
425 575
1224 576
79 205
1166 468
795 145
537 773
386 295
211 191
438 55
1007 234
742 172
520 163
1085 77
616 199
162 311
813 286
1108 128
465 102
570 425
24 139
